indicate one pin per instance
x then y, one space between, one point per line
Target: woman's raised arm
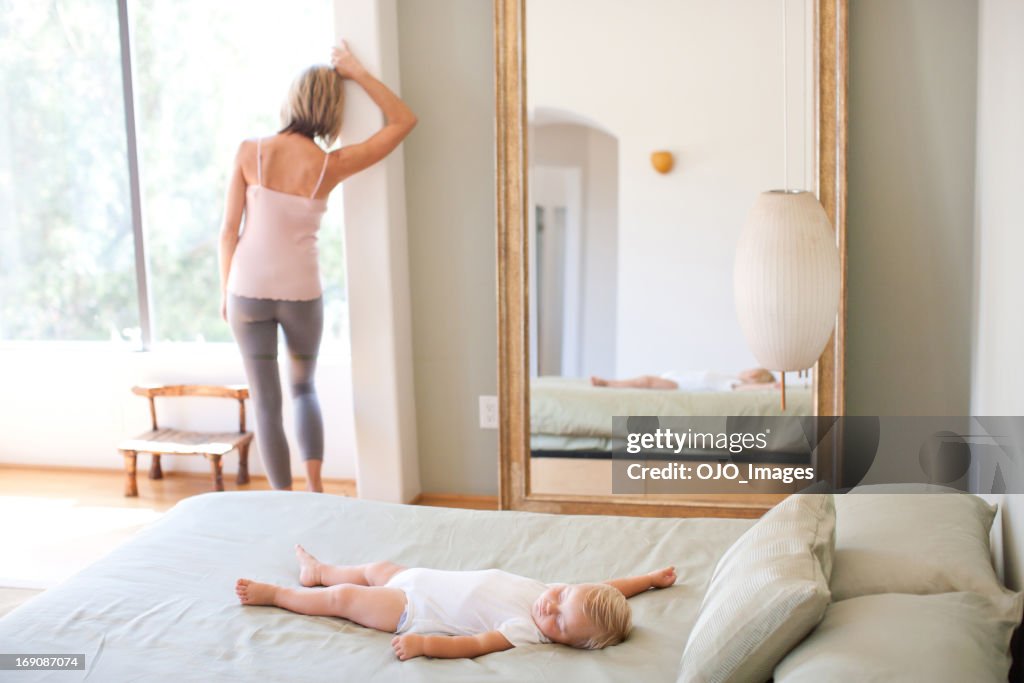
399 119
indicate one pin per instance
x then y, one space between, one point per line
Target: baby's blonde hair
607 610
314 105
757 376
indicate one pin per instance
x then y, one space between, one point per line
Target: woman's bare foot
598 382
255 593
309 573
663 578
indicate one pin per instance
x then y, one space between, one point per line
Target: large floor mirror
633 139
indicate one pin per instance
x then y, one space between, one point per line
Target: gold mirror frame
513 301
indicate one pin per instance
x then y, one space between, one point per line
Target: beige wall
912 125
913 79
446 58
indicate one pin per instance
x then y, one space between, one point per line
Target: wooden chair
212 445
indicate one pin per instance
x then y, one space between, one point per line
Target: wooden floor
65 519
106 487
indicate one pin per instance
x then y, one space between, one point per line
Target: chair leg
243 465
218 472
131 488
154 468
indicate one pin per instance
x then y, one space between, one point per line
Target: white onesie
466 603
701 380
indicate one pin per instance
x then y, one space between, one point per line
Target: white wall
687 76
595 154
998 362
600 266
999 323
69 404
377 260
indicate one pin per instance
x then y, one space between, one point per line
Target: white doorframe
553 187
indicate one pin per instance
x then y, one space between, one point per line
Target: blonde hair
314 105
757 376
607 610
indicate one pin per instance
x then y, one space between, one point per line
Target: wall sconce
662 161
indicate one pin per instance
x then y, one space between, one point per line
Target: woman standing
269 273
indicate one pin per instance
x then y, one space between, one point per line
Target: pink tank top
277 255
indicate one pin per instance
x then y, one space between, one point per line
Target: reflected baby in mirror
745 380
455 614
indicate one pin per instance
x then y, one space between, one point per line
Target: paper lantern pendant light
786 280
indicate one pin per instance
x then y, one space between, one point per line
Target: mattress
559 442
568 406
162 606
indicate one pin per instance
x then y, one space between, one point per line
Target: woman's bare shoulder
245 149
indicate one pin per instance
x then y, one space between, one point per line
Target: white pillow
915 543
951 637
767 592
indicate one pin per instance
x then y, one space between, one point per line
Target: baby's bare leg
313 572
372 606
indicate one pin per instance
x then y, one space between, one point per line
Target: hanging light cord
785 103
785 142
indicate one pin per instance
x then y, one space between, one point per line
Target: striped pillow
767 592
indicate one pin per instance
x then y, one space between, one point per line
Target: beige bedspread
162 606
569 406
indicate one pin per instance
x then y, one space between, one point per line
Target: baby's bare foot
598 382
663 578
255 593
309 573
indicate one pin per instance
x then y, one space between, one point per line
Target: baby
746 380
455 614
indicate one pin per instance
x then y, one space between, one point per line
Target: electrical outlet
488 412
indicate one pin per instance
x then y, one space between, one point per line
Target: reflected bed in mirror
628 264
571 435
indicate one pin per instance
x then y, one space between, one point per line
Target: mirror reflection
652 129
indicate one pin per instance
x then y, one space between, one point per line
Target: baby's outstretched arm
631 585
412 645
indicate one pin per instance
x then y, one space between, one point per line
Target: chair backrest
239 392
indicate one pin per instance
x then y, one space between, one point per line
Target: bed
568 414
572 437
162 607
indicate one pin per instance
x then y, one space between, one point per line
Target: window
205 76
67 264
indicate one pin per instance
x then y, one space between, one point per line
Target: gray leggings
254 323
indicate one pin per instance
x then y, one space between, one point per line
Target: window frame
134 183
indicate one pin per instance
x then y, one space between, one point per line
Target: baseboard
456 500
